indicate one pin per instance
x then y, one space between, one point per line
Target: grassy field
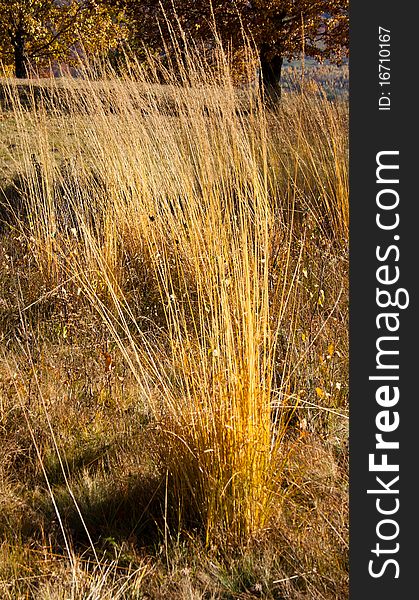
174 340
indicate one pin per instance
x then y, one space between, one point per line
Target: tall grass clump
184 210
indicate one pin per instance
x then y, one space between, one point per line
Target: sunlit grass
207 234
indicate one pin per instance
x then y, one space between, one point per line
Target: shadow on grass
17 199
101 499
98 510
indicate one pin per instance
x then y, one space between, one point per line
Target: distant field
334 80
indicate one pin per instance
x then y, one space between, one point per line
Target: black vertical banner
384 240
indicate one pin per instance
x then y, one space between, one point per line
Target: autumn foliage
33 32
278 29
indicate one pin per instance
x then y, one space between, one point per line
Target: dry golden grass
173 388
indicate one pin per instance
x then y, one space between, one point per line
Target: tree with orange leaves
279 29
37 31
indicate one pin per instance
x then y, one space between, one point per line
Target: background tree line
36 32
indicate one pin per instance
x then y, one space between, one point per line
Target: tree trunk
20 57
270 74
